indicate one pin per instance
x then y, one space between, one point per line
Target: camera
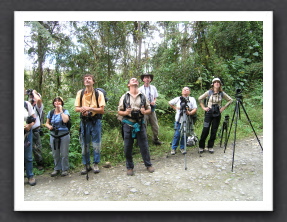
215 110
29 92
238 94
56 129
183 102
135 114
30 119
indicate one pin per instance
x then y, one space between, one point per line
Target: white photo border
265 16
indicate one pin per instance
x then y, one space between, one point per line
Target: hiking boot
210 150
55 173
200 150
130 172
84 171
157 142
32 181
96 168
183 151
65 173
172 152
150 169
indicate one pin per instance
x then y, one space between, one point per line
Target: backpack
210 93
97 96
67 124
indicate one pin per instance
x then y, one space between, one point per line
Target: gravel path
207 178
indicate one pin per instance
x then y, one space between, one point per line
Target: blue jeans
28 156
176 137
93 130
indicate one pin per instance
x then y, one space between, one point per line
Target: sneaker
130 172
96 168
172 152
65 173
200 150
183 151
84 171
210 150
55 173
150 169
157 142
32 181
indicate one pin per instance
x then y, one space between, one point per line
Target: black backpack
127 100
67 124
97 96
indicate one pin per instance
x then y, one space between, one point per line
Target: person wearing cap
133 109
213 112
36 101
59 136
90 108
151 94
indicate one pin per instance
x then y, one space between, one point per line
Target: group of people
136 110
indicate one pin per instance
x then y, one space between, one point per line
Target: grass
112 142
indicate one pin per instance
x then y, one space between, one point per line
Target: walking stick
85 149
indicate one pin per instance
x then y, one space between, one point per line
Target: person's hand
128 111
206 109
60 108
142 110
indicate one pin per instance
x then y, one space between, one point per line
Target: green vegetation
185 54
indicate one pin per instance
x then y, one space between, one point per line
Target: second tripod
237 113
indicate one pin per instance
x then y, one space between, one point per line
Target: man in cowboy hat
151 94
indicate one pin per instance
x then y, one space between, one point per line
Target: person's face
216 84
185 91
88 81
133 82
57 102
147 79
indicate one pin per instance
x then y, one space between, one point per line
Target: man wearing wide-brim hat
151 94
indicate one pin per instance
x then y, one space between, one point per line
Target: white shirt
40 110
176 102
150 92
30 110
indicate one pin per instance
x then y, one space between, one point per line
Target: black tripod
183 130
85 148
237 112
224 130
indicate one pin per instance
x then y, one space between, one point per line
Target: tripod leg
235 109
221 135
237 113
251 124
225 142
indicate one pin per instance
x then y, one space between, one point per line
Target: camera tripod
237 112
182 129
224 130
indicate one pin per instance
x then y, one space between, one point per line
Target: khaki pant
152 120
